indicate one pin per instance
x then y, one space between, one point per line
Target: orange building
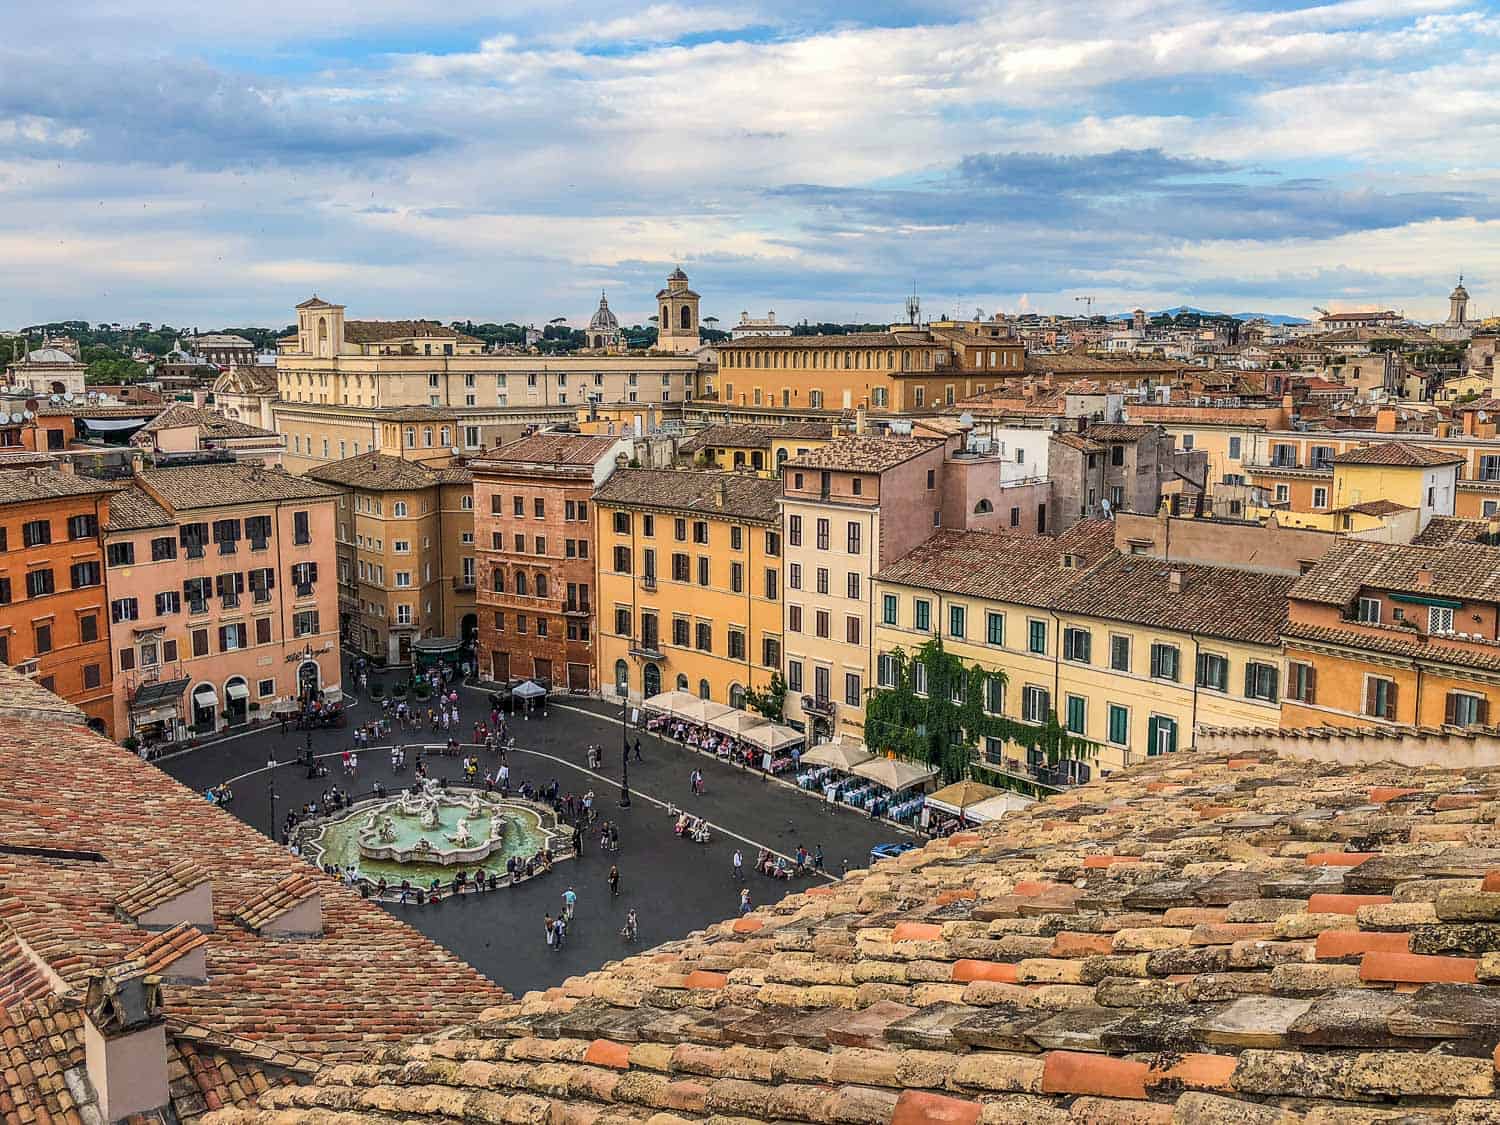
1383 634
54 623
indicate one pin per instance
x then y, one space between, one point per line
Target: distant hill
1269 318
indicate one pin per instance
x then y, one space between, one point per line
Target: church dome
1459 294
604 320
677 275
49 355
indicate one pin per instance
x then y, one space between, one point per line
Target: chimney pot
125 1041
1424 577
1174 581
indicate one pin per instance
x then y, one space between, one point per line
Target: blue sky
215 164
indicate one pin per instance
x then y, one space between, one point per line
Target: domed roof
49 355
604 320
677 275
1460 293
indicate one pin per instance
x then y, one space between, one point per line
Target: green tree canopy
942 725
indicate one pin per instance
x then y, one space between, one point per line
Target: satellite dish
54 398
1483 417
17 417
68 396
28 414
1104 503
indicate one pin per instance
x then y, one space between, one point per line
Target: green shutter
1151 729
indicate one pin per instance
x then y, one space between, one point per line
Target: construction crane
1325 312
1088 305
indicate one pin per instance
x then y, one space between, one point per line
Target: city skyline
212 168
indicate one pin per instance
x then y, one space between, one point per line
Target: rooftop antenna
914 307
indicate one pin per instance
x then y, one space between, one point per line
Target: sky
213 164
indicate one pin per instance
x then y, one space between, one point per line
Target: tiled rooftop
209 424
754 437
1397 453
28 485
1199 940
376 331
133 509
186 487
554 449
367 979
23 698
1023 569
864 454
1457 570
375 472
694 492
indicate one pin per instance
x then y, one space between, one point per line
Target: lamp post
625 750
271 791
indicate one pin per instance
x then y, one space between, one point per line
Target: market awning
669 701
237 691
528 690
436 646
149 697
894 774
771 736
736 722
702 710
840 755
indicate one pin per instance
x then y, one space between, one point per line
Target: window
1076 712
1036 636
736 538
703 637
263 630
1320 457
919 677
885 670
1077 645
1320 498
1466 710
931 479
851 584
852 630
305 574
5 594
1262 682
770 652
1368 611
1301 682
773 544
921 615
83 527
621 520
258 531
540 543
1119 725
994 695
197 591
1164 662
120 554
703 570
956 620
1234 448
403 579
736 577
1117 455
1380 697
994 628
85 574
39 583
91 675
37 532
301 529
794 618
1119 653
163 548
88 628
854 538
1439 619
42 638
681 568
794 576
232 638
1161 735
622 560
539 507
700 531
1036 705
1283 494
200 642
821 623
851 689
403 615
226 533
794 530
888 609
736 644
822 579
1213 671
771 584
823 529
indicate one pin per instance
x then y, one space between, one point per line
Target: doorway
309 679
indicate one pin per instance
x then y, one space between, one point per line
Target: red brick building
534 531
54 613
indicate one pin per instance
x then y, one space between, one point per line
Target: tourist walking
570 899
614 881
631 930
638 750
739 866
745 900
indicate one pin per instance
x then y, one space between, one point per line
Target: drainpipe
1193 733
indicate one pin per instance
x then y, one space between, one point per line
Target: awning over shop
205 696
669 702
237 691
163 693
993 808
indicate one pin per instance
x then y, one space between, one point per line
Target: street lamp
625 751
271 791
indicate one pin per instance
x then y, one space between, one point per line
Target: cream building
677 324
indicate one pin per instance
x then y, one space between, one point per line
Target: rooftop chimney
1174 580
1385 420
125 1041
1492 531
861 420
721 492
1424 577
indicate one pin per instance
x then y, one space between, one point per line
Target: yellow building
1129 652
910 369
405 535
688 582
1397 471
761 449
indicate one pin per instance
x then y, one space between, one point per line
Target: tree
771 702
942 726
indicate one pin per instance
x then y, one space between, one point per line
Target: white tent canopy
670 702
771 736
894 774
528 690
701 711
736 722
994 808
961 795
840 755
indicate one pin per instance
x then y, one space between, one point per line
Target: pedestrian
614 881
551 933
745 900
739 866
818 857
638 750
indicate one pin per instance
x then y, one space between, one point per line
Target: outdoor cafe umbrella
701 711
529 690
960 795
771 736
893 773
670 702
736 722
840 755
285 707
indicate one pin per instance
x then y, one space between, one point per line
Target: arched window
400 509
466 502
497 581
890 360
444 439
411 437
781 455
541 585
520 582
983 508
687 316
322 335
427 436
666 318
650 680
622 676
682 682
702 689
737 697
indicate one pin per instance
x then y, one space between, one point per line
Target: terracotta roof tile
160 887
134 509
864 454
274 901
185 487
1458 570
209 424
694 492
754 437
375 472
1398 453
25 486
1024 569
553 449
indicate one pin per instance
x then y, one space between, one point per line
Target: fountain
421 832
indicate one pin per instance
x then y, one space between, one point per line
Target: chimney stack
1385 420
721 492
1174 580
125 1041
1492 531
861 420
1424 577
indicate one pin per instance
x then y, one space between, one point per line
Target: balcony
818 705
647 648
578 609
463 584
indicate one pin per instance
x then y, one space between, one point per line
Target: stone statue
385 828
461 835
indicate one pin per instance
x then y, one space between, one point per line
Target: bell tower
1458 305
677 310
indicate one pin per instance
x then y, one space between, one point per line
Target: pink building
222 596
